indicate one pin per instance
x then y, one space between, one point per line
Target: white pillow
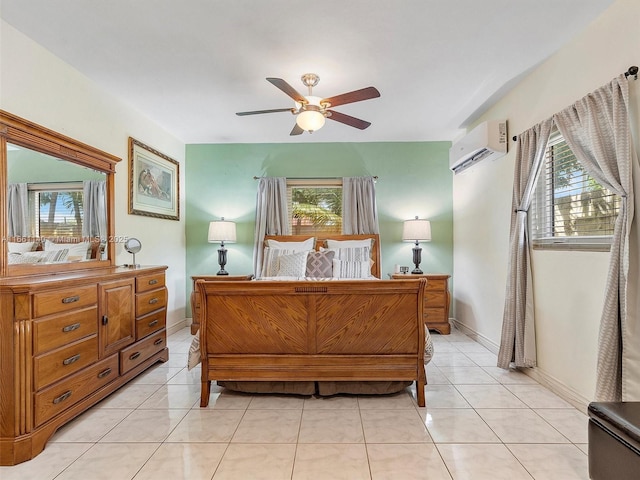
52 256
351 269
308 244
333 244
270 260
19 247
77 251
292 265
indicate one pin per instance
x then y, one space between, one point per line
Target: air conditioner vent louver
487 141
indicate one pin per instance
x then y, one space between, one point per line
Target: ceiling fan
311 111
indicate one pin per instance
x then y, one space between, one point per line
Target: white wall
569 286
37 86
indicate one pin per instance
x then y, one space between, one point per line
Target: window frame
542 205
310 183
33 192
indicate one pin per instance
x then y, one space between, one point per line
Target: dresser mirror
57 198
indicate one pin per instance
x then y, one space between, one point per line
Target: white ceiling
190 65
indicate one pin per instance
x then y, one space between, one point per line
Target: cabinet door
117 316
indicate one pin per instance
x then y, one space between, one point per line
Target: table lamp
416 230
222 231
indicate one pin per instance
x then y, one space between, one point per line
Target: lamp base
222 260
417 258
222 272
416 271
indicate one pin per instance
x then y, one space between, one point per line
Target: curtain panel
518 342
271 215
359 211
597 130
18 210
94 220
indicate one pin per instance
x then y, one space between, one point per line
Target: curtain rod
632 71
375 177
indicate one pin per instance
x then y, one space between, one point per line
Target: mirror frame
24 133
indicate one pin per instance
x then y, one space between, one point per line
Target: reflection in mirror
56 209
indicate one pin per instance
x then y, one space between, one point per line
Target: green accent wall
413 179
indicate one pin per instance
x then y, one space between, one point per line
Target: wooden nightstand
436 308
195 299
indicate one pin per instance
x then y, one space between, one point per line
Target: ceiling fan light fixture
310 120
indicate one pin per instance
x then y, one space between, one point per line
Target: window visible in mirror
57 209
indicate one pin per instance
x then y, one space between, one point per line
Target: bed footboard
312 331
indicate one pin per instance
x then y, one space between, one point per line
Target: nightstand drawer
58 397
59 363
435 299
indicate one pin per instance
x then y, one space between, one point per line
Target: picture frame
154 182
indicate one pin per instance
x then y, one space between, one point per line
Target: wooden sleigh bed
335 334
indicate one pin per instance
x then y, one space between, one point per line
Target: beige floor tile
520 426
406 461
482 462
186 377
48 464
489 396
393 426
331 426
444 396
182 461
178 360
226 399
553 462
129 396
509 376
268 426
207 426
571 422
483 358
256 462
335 402
156 375
394 401
468 376
452 359
457 425
145 426
331 462
173 396
110 461
279 402
91 426
435 375
537 396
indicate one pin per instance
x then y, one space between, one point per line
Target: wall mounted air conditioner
487 141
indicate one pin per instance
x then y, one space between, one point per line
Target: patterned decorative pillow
350 269
20 247
353 254
320 264
76 251
270 260
292 265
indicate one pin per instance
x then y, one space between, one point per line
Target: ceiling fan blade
350 97
288 89
296 130
256 112
348 120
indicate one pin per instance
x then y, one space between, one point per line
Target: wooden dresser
67 341
436 308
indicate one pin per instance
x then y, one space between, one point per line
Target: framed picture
154 181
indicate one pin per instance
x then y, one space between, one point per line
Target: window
570 209
314 206
57 209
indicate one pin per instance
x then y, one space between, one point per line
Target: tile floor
480 422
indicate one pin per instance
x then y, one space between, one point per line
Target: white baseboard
176 327
541 376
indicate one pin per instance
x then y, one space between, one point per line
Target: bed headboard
376 268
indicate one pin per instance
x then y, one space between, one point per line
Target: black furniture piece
614 440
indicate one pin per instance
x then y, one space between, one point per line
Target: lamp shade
416 230
222 231
311 119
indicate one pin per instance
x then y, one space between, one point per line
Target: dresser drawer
64 300
440 284
53 366
149 282
149 301
137 353
51 401
435 299
150 323
61 329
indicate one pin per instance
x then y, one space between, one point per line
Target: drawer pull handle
153 301
133 356
153 323
62 397
158 341
71 328
73 299
104 373
153 282
70 360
